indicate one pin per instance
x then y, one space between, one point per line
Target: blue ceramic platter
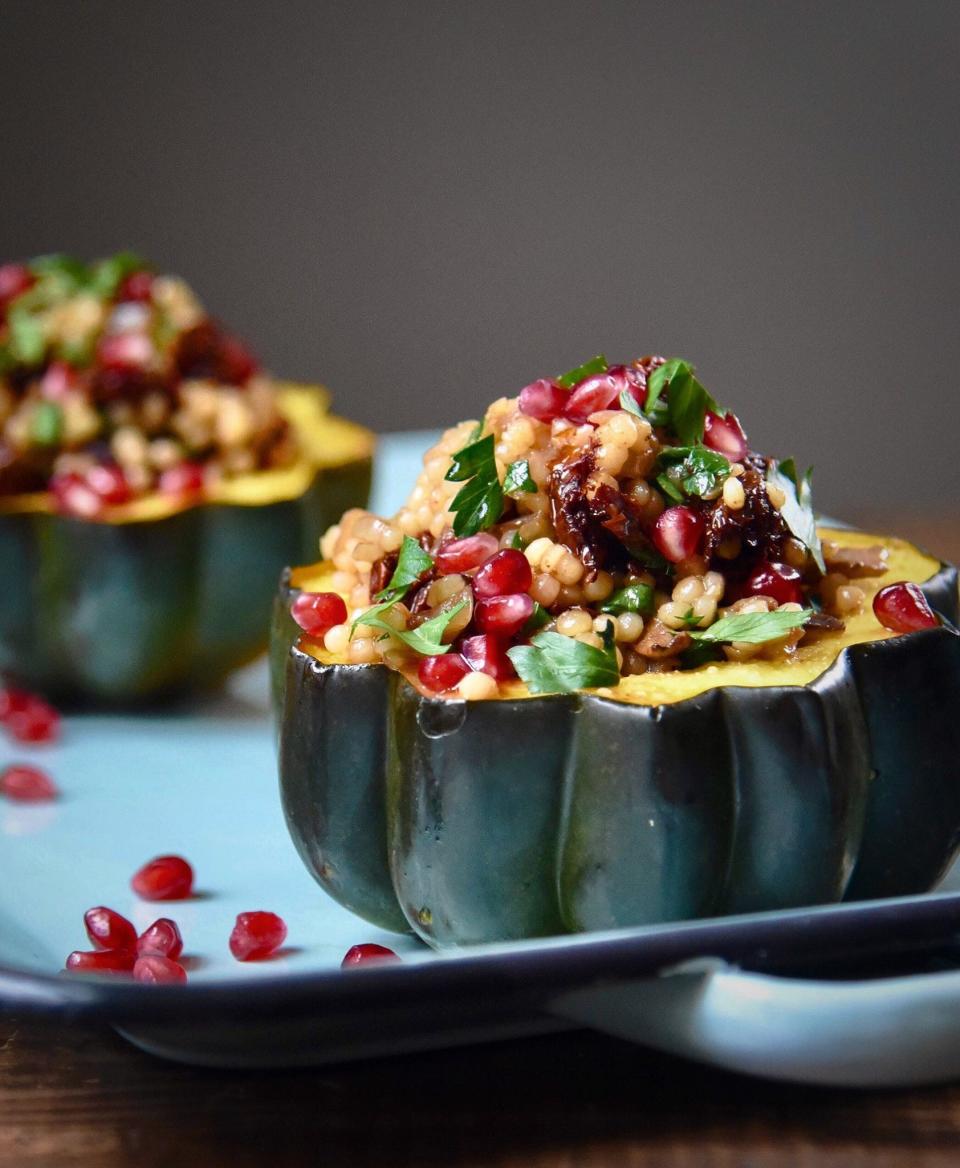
200 780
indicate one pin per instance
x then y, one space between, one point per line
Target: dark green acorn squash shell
484 821
124 612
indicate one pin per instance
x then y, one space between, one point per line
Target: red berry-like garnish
164 878
27 784
108 929
367 954
161 939
126 352
73 495
678 533
725 435
235 363
158 970
57 381
503 616
601 391
507 571
15 279
443 672
256 935
31 719
779 581
110 483
486 654
903 608
463 555
317 612
543 400
101 961
138 287
186 478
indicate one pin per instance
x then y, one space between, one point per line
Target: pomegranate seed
125 352
507 571
110 483
256 935
72 495
442 672
779 581
33 720
161 939
463 555
186 478
108 929
317 612
57 381
543 400
368 954
503 616
236 364
601 391
12 700
15 279
27 784
164 878
158 970
101 961
677 533
903 608
486 654
725 435
138 286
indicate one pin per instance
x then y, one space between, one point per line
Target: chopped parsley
46 425
596 364
753 628
693 471
685 407
517 480
479 503
553 663
426 640
631 598
797 511
412 563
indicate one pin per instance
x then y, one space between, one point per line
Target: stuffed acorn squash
152 482
604 669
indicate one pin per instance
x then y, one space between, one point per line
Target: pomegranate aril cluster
117 950
28 718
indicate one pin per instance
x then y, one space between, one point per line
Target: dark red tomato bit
466 554
367 954
677 533
101 961
503 616
27 784
164 878
32 720
161 939
443 672
107 929
543 400
158 970
779 581
138 286
903 608
15 279
725 435
485 654
601 391
507 571
186 478
317 612
126 352
256 935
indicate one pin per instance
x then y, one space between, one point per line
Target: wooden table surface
73 1095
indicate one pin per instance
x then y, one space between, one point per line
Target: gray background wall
429 204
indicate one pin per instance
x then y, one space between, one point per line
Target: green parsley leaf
693 470
688 404
412 562
596 364
753 628
28 343
475 432
797 511
68 272
538 618
517 479
108 274
426 640
514 540
630 598
670 488
553 663
479 503
660 379
700 653
629 403
46 424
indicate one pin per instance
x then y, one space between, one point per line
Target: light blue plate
201 781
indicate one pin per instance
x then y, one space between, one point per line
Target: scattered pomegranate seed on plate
107 929
28 718
158 970
257 935
27 784
101 961
161 939
367 954
903 608
163 878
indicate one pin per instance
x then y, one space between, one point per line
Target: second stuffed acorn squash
809 767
